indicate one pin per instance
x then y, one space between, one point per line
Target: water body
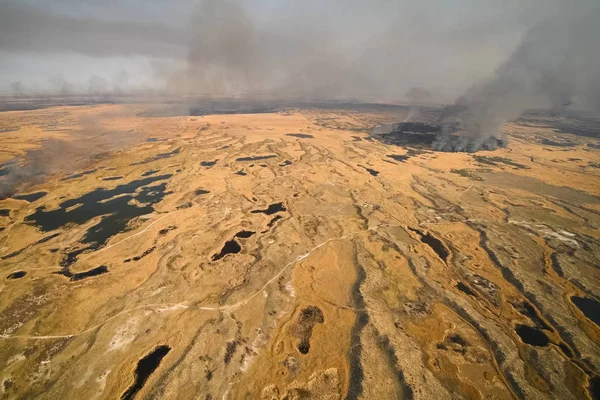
285 163
255 158
145 367
208 163
300 135
112 204
83 275
433 242
532 336
5 212
30 197
398 157
589 307
241 173
112 178
200 192
159 156
372 171
150 172
230 247
16 275
244 234
79 175
272 209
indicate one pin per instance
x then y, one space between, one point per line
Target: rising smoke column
556 63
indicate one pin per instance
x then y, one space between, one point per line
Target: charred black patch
433 242
532 336
362 319
589 307
145 367
166 230
30 197
594 388
255 158
300 135
302 329
16 275
548 142
230 247
529 311
79 175
144 254
272 209
465 289
454 342
495 161
230 350
412 134
208 163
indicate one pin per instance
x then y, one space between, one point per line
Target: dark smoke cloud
556 64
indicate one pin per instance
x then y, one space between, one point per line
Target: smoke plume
556 64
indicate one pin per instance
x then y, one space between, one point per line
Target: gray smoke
556 64
60 156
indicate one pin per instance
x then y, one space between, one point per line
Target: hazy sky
367 49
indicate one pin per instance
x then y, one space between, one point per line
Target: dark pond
255 158
208 163
82 275
532 336
589 307
433 242
286 162
5 212
372 171
150 172
31 197
79 175
145 367
159 156
244 234
242 173
200 192
300 135
272 209
398 157
230 247
112 178
16 275
116 211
